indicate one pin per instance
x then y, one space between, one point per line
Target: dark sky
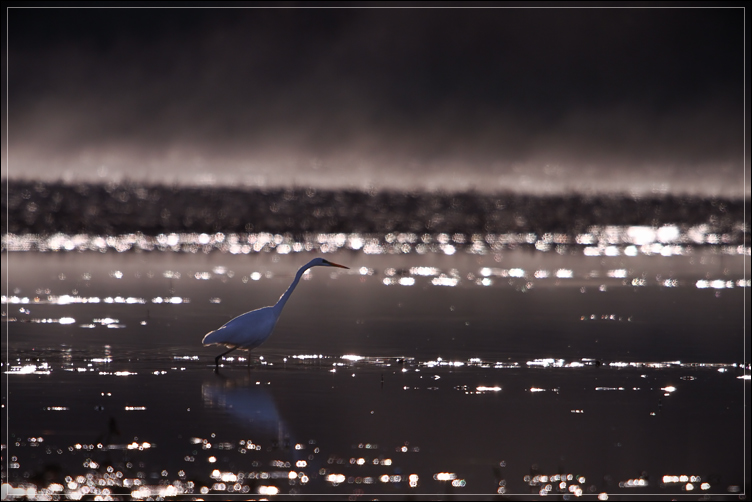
529 99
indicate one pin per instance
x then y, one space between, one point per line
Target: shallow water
410 373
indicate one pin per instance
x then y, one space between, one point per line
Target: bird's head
321 262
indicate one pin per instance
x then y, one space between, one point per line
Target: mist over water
395 99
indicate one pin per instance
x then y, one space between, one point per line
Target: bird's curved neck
286 295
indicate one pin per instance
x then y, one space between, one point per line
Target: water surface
443 372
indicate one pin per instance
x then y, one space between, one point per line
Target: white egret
249 330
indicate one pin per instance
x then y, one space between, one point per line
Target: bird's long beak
337 265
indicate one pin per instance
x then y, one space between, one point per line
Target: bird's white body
253 328
236 333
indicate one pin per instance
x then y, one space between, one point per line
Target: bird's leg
216 359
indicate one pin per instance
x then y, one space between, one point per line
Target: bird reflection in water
252 403
248 400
